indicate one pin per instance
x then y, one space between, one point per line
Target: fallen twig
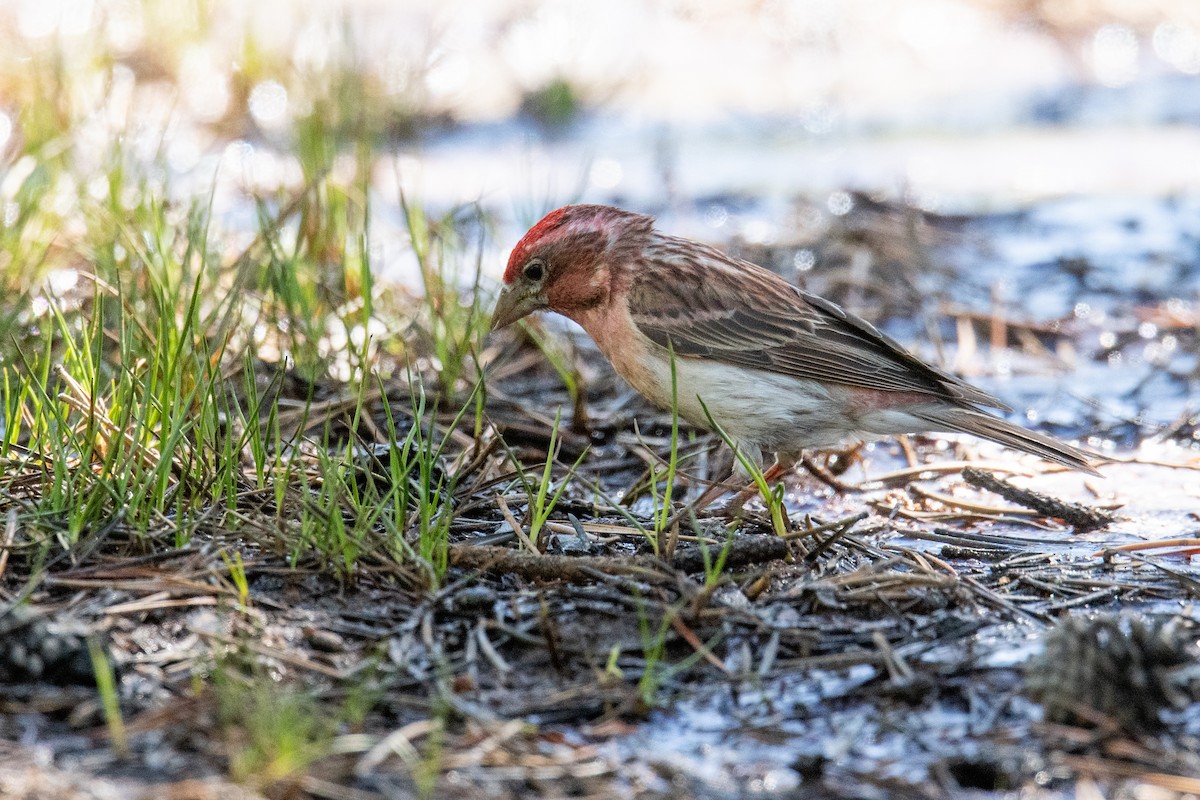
743 550
1191 547
1080 517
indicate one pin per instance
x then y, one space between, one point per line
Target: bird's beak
514 303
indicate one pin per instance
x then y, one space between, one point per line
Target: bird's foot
826 477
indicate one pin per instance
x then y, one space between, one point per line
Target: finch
778 369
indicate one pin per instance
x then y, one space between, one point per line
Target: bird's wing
741 314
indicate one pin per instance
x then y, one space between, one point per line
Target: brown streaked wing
741 314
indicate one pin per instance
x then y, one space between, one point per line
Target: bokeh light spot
1114 55
268 104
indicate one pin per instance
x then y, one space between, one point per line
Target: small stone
325 641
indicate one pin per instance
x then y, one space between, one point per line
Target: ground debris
739 552
1082 518
1115 668
550 567
34 646
743 550
360 601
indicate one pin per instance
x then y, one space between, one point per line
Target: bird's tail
986 426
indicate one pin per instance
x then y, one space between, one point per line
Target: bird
777 368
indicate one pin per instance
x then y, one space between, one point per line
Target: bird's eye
534 270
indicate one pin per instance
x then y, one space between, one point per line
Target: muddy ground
914 633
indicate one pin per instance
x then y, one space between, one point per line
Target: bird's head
566 262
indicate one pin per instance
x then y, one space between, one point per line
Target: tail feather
986 426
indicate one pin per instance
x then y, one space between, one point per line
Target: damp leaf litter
279 516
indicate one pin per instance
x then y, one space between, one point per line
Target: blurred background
949 105
954 170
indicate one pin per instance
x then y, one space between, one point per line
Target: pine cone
35 648
1119 667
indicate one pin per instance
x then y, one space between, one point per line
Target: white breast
759 410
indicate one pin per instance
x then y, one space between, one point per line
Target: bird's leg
702 502
741 498
717 489
825 476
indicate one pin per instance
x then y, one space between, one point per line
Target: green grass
133 396
186 362
270 732
106 688
657 670
664 507
772 495
172 378
714 565
542 496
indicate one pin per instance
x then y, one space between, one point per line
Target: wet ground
889 648
918 631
